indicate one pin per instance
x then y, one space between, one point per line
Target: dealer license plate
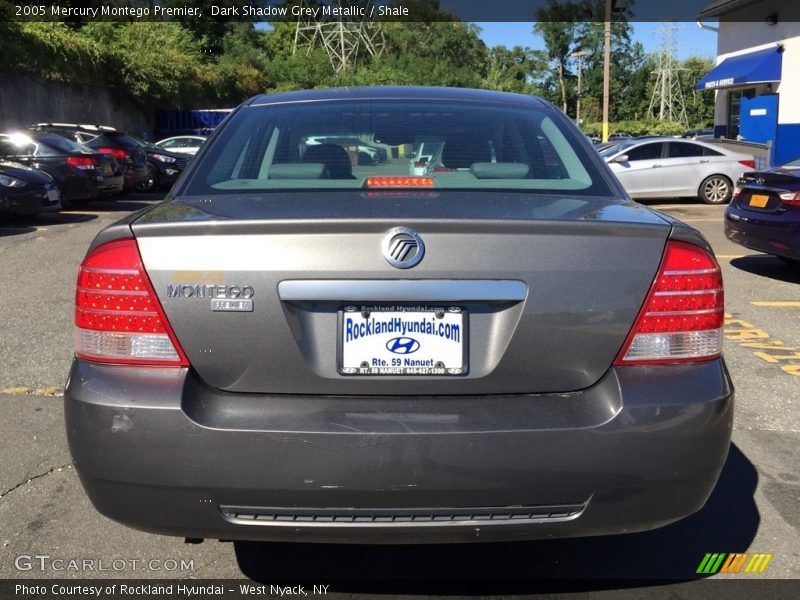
759 200
403 340
106 169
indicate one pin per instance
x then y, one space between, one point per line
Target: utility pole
606 66
343 37
579 54
666 103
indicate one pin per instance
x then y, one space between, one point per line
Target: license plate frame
53 195
758 200
369 355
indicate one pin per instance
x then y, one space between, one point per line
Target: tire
715 189
151 183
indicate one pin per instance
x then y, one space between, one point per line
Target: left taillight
682 317
749 163
118 318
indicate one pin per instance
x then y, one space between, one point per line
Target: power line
344 29
666 103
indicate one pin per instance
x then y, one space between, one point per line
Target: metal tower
344 28
666 103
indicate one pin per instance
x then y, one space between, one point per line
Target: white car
183 144
672 168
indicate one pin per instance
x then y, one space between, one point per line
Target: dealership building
756 76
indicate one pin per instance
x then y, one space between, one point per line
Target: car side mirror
622 158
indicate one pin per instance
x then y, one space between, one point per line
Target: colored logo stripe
758 563
722 562
711 563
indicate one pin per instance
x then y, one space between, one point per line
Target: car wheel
716 189
151 183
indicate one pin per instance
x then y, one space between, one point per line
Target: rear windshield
56 142
122 139
416 143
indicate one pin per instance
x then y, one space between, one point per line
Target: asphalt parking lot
44 512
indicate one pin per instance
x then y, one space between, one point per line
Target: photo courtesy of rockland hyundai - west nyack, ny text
368 298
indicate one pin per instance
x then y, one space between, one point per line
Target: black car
764 214
107 140
163 167
81 173
25 191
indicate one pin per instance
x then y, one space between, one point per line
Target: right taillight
118 318
682 317
790 198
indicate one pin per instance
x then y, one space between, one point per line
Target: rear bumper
158 451
135 176
80 186
31 200
772 233
112 184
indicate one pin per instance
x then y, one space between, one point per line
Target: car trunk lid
547 287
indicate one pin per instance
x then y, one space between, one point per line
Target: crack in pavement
35 477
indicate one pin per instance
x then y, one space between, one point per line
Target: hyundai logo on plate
402 345
403 248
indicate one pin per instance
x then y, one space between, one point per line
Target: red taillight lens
118 318
389 181
117 153
81 162
682 317
750 164
790 198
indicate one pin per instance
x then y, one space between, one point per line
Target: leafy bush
636 128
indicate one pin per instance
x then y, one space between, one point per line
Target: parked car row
48 164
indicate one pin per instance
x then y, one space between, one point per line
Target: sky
691 40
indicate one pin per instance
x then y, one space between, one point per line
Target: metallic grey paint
644 447
543 424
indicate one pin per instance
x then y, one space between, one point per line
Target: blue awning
762 66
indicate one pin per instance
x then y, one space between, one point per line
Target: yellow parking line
781 304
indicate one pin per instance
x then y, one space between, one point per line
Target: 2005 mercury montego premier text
490 343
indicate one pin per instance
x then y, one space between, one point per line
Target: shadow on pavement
727 523
9 228
768 266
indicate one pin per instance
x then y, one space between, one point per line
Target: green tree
557 24
699 103
515 69
158 61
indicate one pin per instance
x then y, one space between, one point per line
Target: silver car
674 168
298 347
182 144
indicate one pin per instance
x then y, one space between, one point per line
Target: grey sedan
673 168
299 347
